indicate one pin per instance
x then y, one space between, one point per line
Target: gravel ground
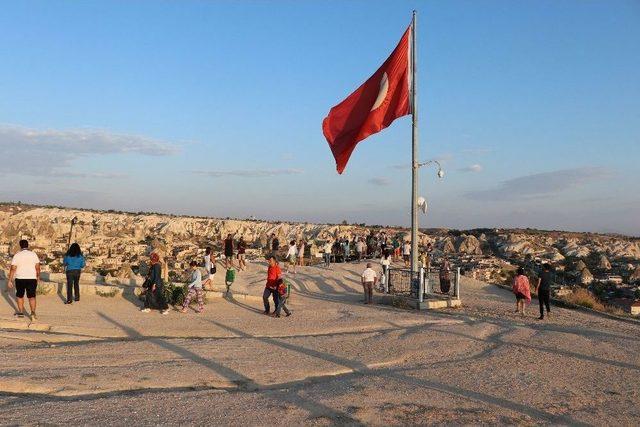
335 361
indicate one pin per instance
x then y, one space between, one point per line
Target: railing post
421 285
457 289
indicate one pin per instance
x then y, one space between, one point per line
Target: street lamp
74 221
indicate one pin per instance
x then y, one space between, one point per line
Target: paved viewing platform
335 360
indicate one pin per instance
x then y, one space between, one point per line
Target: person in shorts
406 253
228 251
291 257
522 291
242 249
25 269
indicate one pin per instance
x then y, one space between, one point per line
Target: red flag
373 106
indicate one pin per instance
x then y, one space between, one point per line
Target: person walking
73 263
328 247
543 289
522 290
194 289
396 248
275 245
155 287
271 288
242 249
369 280
25 269
291 257
445 276
282 299
209 266
228 251
301 248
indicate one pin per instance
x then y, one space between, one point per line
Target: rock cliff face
120 242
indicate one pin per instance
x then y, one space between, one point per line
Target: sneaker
166 311
145 310
18 314
34 317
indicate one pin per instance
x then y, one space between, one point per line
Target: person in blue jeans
73 263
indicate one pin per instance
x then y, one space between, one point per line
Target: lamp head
440 173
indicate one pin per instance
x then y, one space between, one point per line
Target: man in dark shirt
275 245
228 251
543 288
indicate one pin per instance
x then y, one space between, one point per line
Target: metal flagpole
414 157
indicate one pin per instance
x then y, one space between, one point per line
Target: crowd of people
25 272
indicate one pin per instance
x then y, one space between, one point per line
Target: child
282 299
291 257
195 288
229 278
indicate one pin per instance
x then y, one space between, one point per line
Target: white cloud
472 168
44 152
540 184
249 173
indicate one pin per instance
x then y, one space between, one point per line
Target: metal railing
421 284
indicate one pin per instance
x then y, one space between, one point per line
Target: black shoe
541 318
77 300
68 302
18 314
289 314
266 312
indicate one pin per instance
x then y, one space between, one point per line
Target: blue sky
215 108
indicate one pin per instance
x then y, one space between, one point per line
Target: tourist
406 253
301 248
327 253
195 288
522 290
425 261
155 287
210 264
396 248
291 257
445 276
73 263
275 245
360 249
242 248
228 250
369 280
385 261
543 289
282 299
25 268
347 250
271 288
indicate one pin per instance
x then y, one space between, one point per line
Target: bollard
386 281
457 289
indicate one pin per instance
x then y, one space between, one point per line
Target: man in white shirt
25 268
328 247
360 249
406 253
369 280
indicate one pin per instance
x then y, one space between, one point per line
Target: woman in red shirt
271 289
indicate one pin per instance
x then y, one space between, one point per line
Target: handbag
212 270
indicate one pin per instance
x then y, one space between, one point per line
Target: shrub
584 298
175 294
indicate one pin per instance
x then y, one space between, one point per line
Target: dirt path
335 361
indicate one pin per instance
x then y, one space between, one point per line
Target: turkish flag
373 106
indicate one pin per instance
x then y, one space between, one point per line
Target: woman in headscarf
522 290
155 286
445 276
